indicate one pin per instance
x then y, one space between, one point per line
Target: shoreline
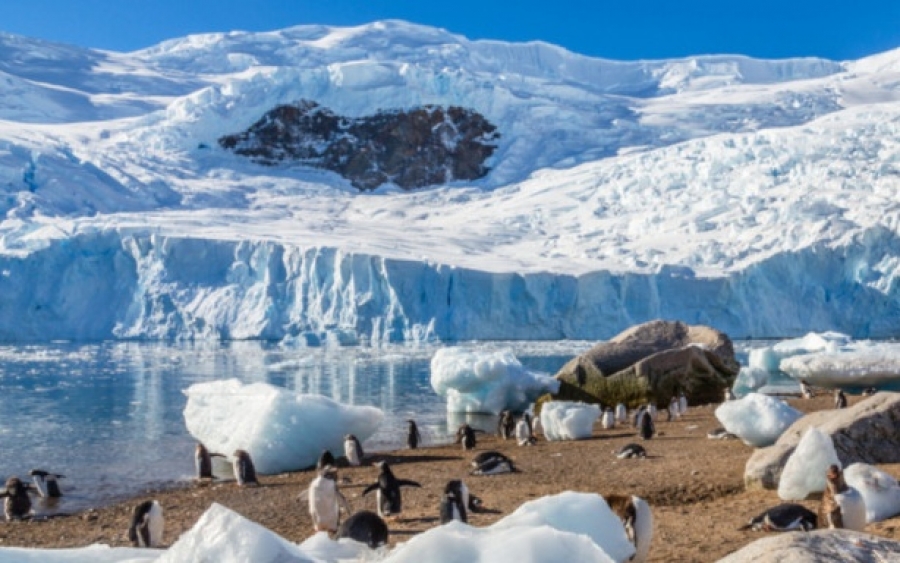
693 485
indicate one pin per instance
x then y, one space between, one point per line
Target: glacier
756 196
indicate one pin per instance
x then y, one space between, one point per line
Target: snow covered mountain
757 196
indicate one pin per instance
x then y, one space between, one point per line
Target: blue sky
624 29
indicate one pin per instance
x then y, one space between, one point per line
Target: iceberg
804 471
566 420
757 419
282 430
486 381
853 366
96 553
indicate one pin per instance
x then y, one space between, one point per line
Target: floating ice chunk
96 553
282 430
861 364
804 472
224 536
486 381
565 420
579 525
757 419
879 490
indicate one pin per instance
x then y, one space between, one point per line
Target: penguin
203 461
869 391
783 518
842 506
46 483
636 517
492 463
465 435
629 451
147 523
326 501
387 487
654 412
636 421
506 426
840 400
524 437
536 426
621 414
720 434
647 429
674 410
17 503
805 390
412 435
353 450
608 419
729 394
365 527
244 471
682 403
454 502
325 459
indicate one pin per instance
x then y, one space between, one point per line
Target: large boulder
820 545
652 362
867 432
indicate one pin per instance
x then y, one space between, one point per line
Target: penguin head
14 486
329 472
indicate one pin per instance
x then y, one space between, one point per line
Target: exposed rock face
415 148
867 432
652 361
817 546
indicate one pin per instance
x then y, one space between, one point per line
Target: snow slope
756 196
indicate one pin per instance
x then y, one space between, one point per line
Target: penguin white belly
351 453
156 524
41 485
621 414
380 499
853 509
323 505
643 530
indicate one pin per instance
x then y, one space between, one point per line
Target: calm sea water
109 416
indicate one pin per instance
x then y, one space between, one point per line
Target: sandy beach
694 486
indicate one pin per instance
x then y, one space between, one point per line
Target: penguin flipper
370 488
407 483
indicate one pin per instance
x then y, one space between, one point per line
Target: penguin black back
365 527
388 487
244 470
46 483
453 504
647 428
141 529
412 435
17 503
465 435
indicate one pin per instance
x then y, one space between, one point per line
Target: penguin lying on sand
46 483
720 434
629 451
387 487
782 518
147 523
492 463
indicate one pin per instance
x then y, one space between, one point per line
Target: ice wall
116 284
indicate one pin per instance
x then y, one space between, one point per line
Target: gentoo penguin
638 521
455 502
387 487
353 450
147 523
629 451
492 463
636 422
646 428
608 419
524 437
729 394
46 483
682 403
203 461
465 435
654 412
783 518
17 503
326 458
720 434
805 390
842 506
674 410
506 426
326 501
412 435
840 400
244 471
621 414
365 527
536 426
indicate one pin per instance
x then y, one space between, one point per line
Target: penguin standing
636 421
636 517
454 502
621 414
244 470
147 524
805 390
840 400
365 527
608 419
412 435
203 462
842 505
506 426
46 483
17 503
387 487
783 518
654 412
326 501
353 450
465 435
674 410
682 403
524 437
647 428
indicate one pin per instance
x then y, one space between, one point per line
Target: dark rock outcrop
414 148
653 361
